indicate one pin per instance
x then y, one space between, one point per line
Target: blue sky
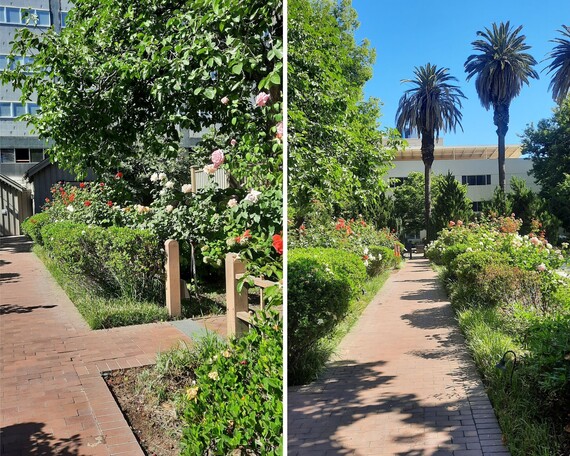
416 32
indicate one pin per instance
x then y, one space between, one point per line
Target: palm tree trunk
501 120
428 146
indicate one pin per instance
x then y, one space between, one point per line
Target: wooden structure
16 206
238 312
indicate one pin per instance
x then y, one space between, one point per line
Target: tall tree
501 68
336 152
451 202
560 65
431 107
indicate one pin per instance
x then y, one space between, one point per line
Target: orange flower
278 243
87 203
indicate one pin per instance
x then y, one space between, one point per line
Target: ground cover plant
511 292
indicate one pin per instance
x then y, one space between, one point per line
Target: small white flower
187 188
218 262
365 262
83 232
253 196
230 242
232 203
204 248
549 246
365 250
162 192
154 177
209 169
320 321
541 267
169 185
162 176
169 208
70 208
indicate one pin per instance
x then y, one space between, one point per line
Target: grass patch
99 310
315 361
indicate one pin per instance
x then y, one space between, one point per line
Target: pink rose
217 157
262 99
233 142
459 223
225 100
279 130
451 223
541 267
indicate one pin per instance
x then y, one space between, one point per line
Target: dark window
7 156
397 181
477 206
36 155
22 155
481 179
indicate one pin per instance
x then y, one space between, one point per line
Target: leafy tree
524 203
501 68
498 205
548 146
336 152
124 77
451 202
560 65
429 107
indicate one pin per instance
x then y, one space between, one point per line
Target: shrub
236 405
33 226
451 253
468 265
379 260
321 283
66 243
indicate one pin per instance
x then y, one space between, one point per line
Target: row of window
21 155
14 62
482 179
26 16
13 109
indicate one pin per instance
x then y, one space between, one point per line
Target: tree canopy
336 152
560 66
124 77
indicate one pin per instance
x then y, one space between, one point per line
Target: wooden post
173 301
193 178
236 302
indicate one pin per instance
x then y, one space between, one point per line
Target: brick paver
53 399
402 383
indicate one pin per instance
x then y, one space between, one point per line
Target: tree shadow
9 277
13 308
318 413
30 439
431 318
15 244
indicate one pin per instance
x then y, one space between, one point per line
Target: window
26 16
13 109
481 179
63 18
36 155
19 109
33 108
13 16
22 155
6 110
3 62
477 206
43 18
7 156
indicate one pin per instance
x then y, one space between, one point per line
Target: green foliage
33 225
560 55
451 203
409 203
236 404
321 283
547 146
468 265
336 152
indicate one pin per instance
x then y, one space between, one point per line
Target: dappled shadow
30 439
12 308
15 244
431 318
9 277
350 393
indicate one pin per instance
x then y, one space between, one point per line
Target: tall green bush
33 226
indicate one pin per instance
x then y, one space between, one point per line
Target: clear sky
416 32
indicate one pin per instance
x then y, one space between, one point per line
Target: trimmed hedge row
121 261
321 284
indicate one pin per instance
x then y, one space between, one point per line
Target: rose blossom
169 208
70 208
278 243
154 177
541 267
162 176
279 130
261 99
209 169
169 185
233 142
217 157
253 196
451 223
225 100
232 203
187 188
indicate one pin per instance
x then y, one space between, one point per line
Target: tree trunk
501 120
428 146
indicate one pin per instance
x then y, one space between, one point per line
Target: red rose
102 184
278 243
72 198
110 203
247 234
87 203
82 185
119 175
47 200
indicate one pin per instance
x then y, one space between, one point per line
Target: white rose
70 208
162 176
232 203
209 169
162 192
187 188
169 208
154 177
253 196
169 185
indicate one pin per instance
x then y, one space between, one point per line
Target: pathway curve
53 400
402 384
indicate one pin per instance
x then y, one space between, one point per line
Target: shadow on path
30 439
11 308
15 244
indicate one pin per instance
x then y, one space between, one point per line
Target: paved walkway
53 400
402 384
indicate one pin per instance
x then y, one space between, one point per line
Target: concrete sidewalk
53 400
402 384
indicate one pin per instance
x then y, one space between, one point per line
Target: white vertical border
285 224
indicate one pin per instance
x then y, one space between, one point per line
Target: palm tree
429 107
502 67
560 55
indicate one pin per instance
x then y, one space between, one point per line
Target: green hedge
33 226
321 284
122 261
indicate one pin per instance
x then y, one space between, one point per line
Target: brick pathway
402 384
53 400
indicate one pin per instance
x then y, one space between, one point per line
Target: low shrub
67 243
466 266
321 283
451 253
236 405
379 259
33 226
